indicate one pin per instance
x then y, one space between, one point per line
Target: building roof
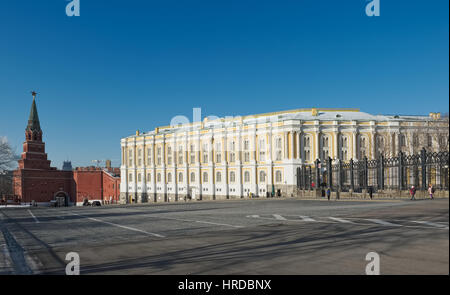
310 114
33 119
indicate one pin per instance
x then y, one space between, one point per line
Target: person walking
431 191
328 193
412 192
371 192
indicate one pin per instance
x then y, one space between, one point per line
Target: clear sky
128 65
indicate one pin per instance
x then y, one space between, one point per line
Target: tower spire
33 119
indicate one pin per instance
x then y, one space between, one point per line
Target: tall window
429 141
149 156
180 177
232 177
158 177
158 154
139 177
307 148
278 149
246 176
192 177
262 150
402 140
205 153
180 155
149 177
192 153
218 153
246 151
130 157
278 176
362 147
380 145
169 177
325 147
344 148
205 177
262 176
169 155
130 177
218 177
232 150
139 157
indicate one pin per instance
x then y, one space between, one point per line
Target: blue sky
128 65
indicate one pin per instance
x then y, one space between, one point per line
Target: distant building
35 180
67 166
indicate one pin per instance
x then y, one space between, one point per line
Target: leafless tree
7 155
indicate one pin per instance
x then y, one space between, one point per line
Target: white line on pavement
121 226
432 224
382 222
306 218
224 224
340 220
278 217
35 219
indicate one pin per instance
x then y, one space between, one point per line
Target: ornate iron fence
395 173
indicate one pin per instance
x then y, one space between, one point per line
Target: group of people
412 192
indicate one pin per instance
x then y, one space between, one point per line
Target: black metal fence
396 173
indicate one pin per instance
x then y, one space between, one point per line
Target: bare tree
7 155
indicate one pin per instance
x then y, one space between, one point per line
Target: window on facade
130 158
307 148
180 177
232 154
325 147
169 177
139 177
402 140
169 155
180 155
130 177
344 148
415 140
139 157
149 178
192 177
205 153
278 176
205 177
158 153
232 176
149 156
262 176
218 153
192 154
218 177
159 177
362 148
246 176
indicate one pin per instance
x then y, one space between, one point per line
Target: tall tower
33 155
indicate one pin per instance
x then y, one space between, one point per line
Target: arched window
169 177
246 176
218 177
180 177
262 176
205 177
278 176
192 176
232 176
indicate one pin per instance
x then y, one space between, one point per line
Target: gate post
400 171
366 173
329 173
352 183
381 184
423 160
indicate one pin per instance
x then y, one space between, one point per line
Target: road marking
121 226
306 218
253 216
432 224
278 217
382 222
224 224
35 219
340 220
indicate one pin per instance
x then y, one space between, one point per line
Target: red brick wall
95 184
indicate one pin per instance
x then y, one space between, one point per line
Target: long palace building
259 154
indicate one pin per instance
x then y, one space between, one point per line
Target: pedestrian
371 192
431 191
328 193
412 192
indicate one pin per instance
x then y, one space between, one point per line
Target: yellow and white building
254 155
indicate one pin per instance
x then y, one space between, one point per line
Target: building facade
259 155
